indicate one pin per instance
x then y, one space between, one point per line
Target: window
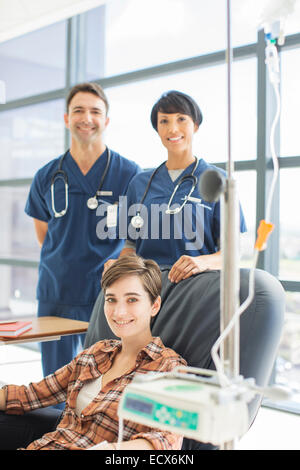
289 267
17 236
34 63
94 55
17 291
131 104
290 92
29 137
145 33
246 186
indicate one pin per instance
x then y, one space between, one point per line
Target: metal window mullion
81 47
75 28
18 182
184 65
75 60
239 165
122 79
289 162
34 99
19 262
70 66
290 286
261 136
291 41
73 41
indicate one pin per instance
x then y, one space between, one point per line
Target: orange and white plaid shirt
99 420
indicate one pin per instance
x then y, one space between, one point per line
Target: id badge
112 213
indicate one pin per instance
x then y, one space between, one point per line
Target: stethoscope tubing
137 220
60 173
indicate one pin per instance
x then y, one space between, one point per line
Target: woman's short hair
88 87
146 269
174 101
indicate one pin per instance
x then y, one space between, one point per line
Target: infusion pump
193 405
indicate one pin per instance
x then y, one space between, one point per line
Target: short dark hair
88 87
146 269
176 102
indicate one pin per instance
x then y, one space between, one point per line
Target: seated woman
93 382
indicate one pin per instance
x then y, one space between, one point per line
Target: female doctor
168 219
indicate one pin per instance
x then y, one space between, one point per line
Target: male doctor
72 253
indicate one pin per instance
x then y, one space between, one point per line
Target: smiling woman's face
176 131
128 308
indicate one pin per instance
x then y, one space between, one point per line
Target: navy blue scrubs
76 245
194 231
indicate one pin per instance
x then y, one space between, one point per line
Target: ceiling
18 17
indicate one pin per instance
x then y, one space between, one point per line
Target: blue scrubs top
194 231
78 244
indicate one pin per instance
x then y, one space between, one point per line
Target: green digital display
161 413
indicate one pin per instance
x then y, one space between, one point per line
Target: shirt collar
109 345
153 349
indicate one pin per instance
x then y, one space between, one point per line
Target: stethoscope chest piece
137 221
92 203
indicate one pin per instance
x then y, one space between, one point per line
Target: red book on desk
14 329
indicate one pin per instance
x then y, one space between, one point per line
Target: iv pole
230 278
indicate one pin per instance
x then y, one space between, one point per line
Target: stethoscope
92 202
137 221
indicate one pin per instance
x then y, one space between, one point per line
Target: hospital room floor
272 429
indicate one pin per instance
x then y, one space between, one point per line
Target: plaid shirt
99 420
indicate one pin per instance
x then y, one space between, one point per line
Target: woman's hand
186 266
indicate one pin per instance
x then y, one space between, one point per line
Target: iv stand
230 276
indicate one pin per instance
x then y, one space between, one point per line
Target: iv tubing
273 153
224 380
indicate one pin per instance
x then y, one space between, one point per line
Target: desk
48 329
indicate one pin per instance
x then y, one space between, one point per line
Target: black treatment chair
189 323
